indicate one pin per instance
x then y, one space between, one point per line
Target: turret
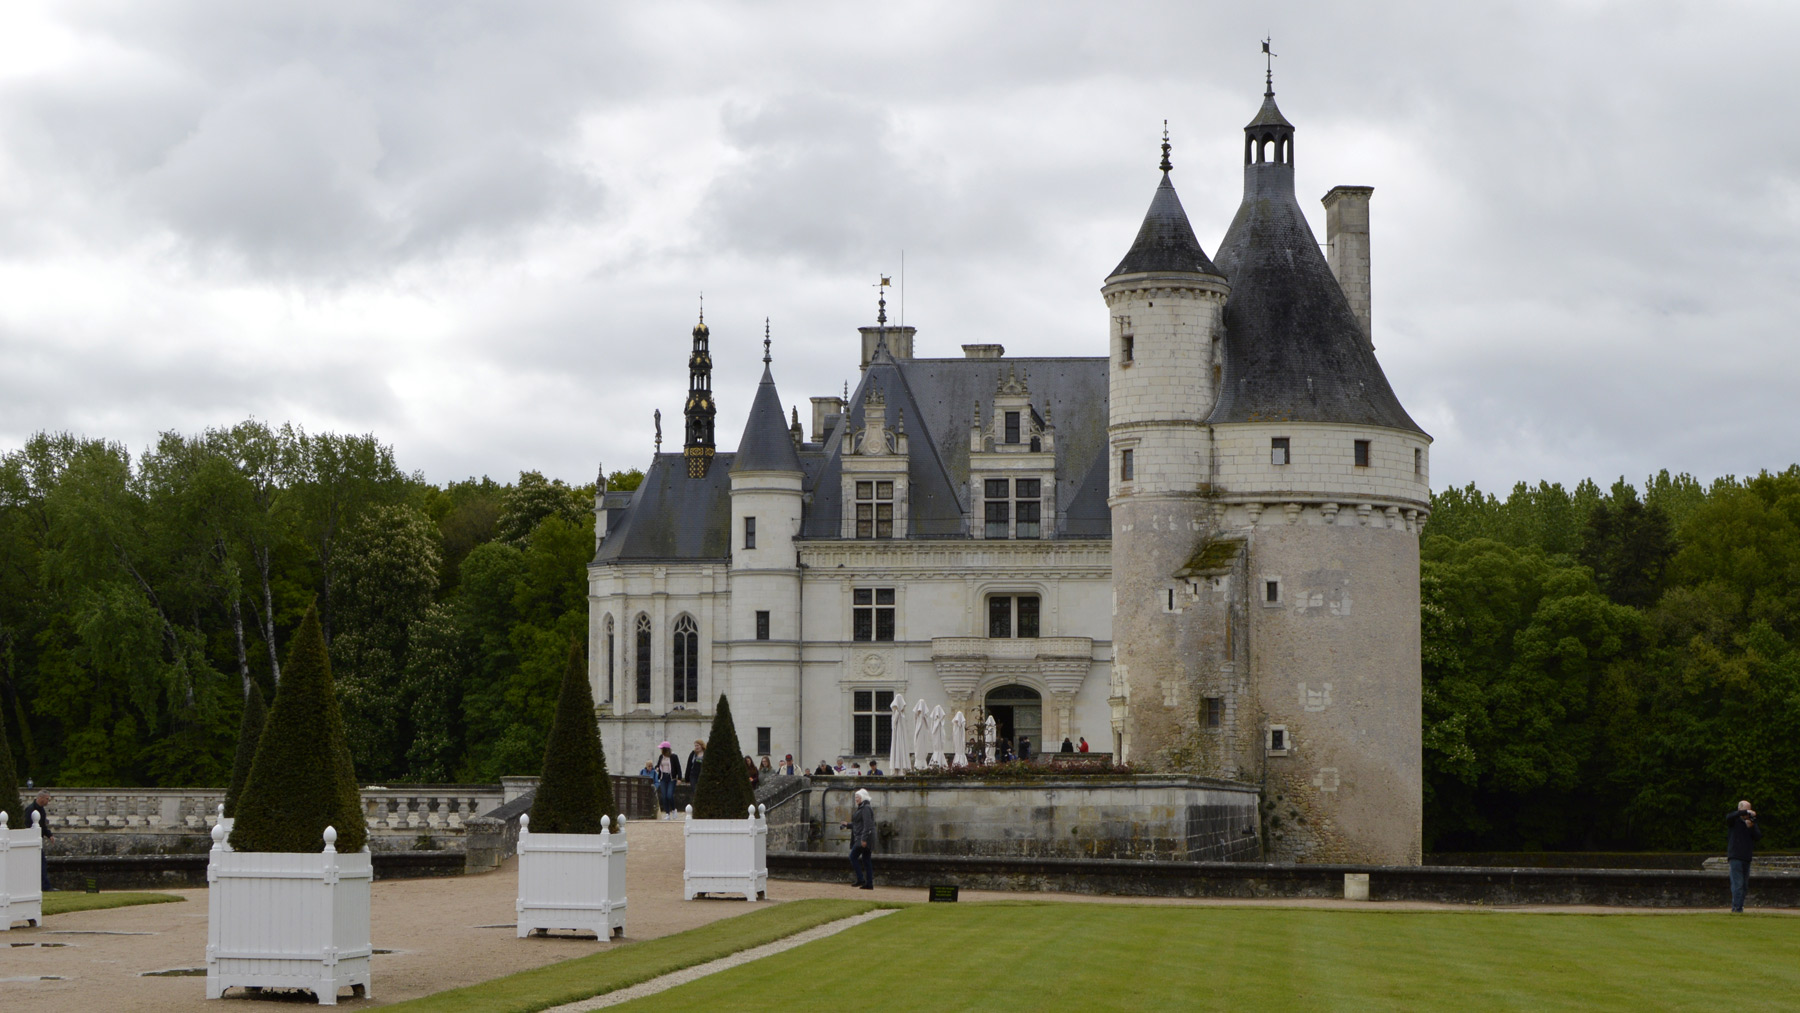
766 480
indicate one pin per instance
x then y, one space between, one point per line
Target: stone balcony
963 663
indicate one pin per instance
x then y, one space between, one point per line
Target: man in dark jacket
862 841
1741 835
37 809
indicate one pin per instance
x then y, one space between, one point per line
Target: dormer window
1012 427
875 509
997 508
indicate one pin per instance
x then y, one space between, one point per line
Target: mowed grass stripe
625 964
62 902
1105 957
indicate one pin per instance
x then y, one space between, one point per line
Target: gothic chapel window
687 661
642 656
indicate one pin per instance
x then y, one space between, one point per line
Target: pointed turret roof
768 444
1293 347
1165 242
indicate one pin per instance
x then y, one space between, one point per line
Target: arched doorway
1019 713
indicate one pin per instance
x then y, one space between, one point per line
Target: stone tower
1291 612
764 643
700 409
1166 300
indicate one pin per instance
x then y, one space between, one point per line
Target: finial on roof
1166 165
881 313
765 341
703 307
658 417
1268 70
846 390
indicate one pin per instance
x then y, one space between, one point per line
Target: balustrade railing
414 809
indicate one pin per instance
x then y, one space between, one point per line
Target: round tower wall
1334 665
1322 464
1164 373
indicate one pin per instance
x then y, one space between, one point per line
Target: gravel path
698 971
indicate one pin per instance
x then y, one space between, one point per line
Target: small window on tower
1278 450
762 741
1362 453
762 625
749 532
1125 349
1125 468
1278 740
1272 592
1418 463
1215 711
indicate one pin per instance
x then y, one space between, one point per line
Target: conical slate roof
1165 242
1269 115
1293 348
767 445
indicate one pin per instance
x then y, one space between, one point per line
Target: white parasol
897 741
992 737
937 737
958 727
918 733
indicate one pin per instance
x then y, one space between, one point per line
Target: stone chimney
823 409
1347 247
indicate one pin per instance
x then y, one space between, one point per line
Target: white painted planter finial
331 840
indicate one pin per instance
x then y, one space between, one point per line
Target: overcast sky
479 230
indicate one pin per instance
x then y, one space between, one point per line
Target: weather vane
765 341
1166 164
1268 67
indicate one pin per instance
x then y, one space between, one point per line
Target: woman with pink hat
668 771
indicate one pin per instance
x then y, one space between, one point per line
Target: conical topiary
301 781
10 802
724 791
574 790
249 734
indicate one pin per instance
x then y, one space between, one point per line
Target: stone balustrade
409 810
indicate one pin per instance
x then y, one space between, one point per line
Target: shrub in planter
21 850
288 905
250 729
572 843
726 834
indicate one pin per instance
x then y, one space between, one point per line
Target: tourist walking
1741 835
696 756
1067 746
668 771
787 765
862 841
755 777
763 766
1025 747
43 815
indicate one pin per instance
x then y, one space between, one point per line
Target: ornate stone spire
700 409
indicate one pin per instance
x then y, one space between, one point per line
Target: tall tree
724 791
250 731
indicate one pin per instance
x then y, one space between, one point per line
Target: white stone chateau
1199 551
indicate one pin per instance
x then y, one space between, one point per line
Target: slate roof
1293 348
767 445
1165 242
673 516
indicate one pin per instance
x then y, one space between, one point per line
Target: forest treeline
141 597
1611 669
1603 669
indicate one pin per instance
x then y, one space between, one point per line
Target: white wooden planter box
572 881
21 851
287 920
727 856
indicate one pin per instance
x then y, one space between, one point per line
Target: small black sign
943 894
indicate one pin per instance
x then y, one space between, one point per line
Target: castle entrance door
1019 712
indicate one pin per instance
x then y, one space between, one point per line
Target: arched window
643 658
686 674
611 657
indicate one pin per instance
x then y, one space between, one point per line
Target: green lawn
943 957
64 901
625 964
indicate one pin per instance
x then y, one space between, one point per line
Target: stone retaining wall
1164 818
1480 886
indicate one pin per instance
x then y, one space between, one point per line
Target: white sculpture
896 740
918 733
958 728
992 737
